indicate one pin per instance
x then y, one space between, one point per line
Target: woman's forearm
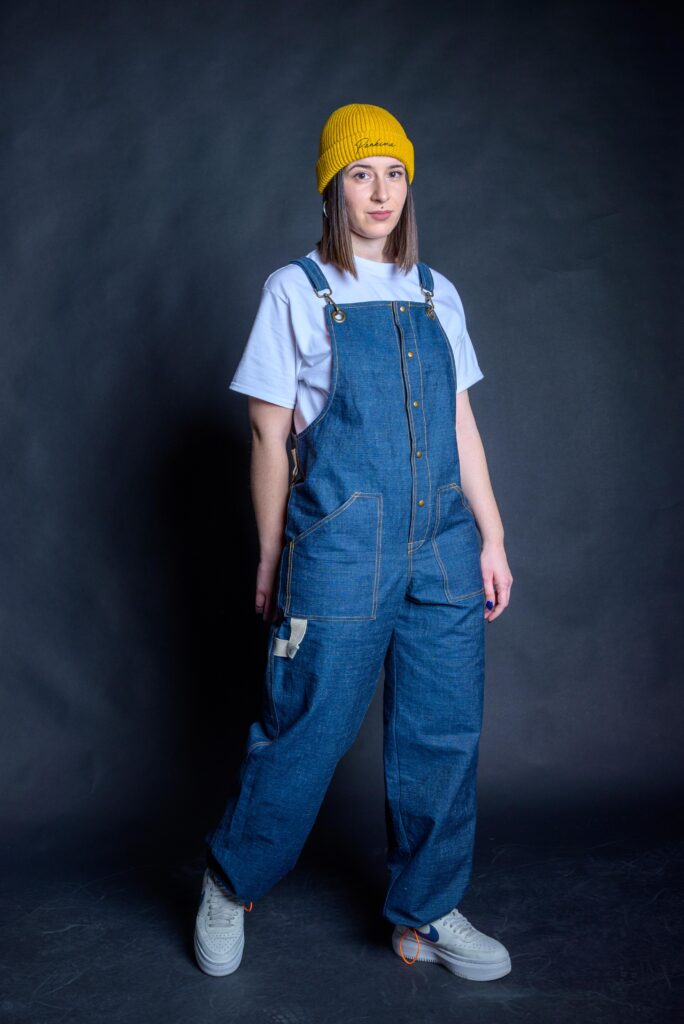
269 480
476 483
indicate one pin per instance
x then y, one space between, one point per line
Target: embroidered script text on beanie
357 130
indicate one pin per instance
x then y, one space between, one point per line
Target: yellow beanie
357 130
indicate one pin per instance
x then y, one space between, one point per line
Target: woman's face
372 184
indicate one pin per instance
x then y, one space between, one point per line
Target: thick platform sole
464 967
218 968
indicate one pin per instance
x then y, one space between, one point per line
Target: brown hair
335 244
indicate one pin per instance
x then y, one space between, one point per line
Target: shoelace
459 924
455 920
224 913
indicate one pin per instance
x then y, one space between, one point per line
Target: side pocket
464 499
332 569
272 682
289 682
456 543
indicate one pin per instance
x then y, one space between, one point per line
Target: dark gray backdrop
158 165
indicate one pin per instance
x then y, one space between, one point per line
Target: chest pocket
331 570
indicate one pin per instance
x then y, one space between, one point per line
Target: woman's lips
381 214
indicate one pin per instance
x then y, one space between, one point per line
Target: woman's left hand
496 577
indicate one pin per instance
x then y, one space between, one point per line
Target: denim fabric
382 559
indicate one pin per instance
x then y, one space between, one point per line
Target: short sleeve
468 371
268 366
452 314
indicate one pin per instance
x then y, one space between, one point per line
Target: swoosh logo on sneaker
432 935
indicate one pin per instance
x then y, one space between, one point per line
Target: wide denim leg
313 707
433 706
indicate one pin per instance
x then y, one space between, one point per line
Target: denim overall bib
380 567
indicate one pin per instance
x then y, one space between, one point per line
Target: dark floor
592 916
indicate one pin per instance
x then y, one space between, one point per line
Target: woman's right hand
270 479
266 597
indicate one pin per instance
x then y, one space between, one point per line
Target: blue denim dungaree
380 565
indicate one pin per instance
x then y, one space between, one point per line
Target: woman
385 547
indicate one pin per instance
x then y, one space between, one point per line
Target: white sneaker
219 927
452 941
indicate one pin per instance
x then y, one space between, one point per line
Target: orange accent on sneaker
401 948
248 908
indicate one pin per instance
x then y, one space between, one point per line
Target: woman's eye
360 174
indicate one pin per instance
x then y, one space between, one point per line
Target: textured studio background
157 165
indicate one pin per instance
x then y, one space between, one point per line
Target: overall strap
319 282
313 272
425 275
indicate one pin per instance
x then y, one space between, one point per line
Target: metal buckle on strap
430 311
337 314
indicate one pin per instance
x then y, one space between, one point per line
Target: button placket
420 467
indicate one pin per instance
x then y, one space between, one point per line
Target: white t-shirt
286 359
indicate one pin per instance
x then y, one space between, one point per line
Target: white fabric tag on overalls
287 647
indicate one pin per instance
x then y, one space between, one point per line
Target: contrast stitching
409 421
396 745
460 597
313 272
378 551
271 670
427 440
454 486
330 515
288 589
449 596
311 615
438 512
334 618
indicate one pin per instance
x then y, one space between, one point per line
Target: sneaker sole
218 968
464 967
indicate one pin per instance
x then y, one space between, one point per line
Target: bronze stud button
421 502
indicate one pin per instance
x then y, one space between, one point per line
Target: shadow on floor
589 906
